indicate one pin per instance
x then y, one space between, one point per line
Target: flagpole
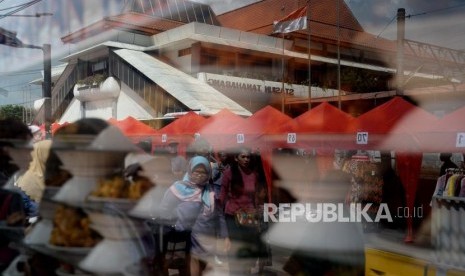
296 20
309 61
283 95
283 100
339 103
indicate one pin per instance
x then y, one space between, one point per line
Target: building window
99 66
184 52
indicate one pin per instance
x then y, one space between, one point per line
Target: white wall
182 63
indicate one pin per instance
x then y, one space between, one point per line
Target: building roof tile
262 13
131 21
259 17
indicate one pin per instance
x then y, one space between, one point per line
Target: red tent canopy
324 126
446 134
265 121
181 130
324 118
131 127
453 128
224 130
393 125
188 124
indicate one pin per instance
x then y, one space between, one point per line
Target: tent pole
309 61
339 104
283 95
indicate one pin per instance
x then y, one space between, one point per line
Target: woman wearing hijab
32 181
190 204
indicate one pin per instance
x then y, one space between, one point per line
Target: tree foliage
12 111
92 80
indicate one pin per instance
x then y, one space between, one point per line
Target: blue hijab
186 190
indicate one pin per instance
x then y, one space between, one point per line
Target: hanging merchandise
366 184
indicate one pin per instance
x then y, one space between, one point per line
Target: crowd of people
204 201
196 204
214 204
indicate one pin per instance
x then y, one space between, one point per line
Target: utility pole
47 89
400 51
283 95
46 86
9 38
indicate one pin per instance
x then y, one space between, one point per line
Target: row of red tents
395 125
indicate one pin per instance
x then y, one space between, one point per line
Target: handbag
247 218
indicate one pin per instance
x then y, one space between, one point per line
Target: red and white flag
297 20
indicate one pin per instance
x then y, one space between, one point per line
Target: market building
170 57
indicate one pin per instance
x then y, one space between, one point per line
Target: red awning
224 130
446 134
131 127
393 126
324 126
182 130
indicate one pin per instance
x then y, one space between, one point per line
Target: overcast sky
439 22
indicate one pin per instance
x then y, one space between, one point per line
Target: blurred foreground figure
36 133
10 129
32 182
55 174
312 244
11 206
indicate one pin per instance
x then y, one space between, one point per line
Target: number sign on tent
181 130
223 130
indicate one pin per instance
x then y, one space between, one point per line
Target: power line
17 6
22 7
418 14
39 14
434 11
385 27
